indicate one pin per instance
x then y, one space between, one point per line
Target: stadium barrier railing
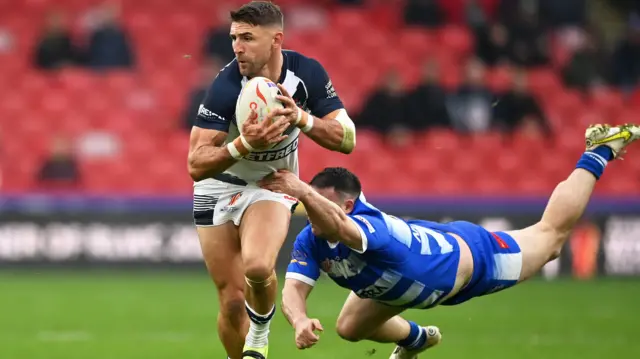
80 231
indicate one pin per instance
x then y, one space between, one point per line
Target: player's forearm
324 214
294 305
326 133
332 134
209 160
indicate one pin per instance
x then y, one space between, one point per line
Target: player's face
253 46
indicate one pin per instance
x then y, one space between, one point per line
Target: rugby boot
433 338
255 353
614 137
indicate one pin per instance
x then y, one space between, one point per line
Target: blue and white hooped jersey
404 263
308 84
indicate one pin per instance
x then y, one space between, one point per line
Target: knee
555 254
259 269
232 303
347 329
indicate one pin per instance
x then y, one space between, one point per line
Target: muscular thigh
363 317
263 229
221 251
538 245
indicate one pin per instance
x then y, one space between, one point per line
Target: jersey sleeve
303 265
373 231
323 98
219 105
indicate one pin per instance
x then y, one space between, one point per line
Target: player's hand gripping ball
289 104
258 103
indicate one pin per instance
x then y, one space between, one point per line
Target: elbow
346 150
196 174
348 143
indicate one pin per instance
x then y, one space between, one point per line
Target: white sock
258 336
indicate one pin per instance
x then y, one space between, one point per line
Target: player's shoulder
369 221
306 236
228 80
300 63
220 99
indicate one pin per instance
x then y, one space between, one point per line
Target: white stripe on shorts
507 266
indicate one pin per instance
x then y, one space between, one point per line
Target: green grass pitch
135 315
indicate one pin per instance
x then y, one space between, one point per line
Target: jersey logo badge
298 257
293 199
500 241
366 222
229 208
235 198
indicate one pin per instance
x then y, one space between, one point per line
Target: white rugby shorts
217 202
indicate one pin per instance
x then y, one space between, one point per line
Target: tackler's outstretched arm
328 220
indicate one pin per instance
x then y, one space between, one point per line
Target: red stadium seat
609 102
439 140
417 43
499 79
457 38
36 106
543 81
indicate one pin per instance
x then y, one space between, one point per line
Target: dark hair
341 179
258 13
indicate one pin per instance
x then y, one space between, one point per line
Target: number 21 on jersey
422 235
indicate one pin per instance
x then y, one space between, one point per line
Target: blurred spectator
351 2
206 74
425 13
426 103
61 168
563 13
218 42
6 41
626 59
98 144
385 107
507 11
518 107
527 39
492 44
109 44
585 69
55 48
475 15
471 107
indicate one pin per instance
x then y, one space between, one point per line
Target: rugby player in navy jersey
231 212
391 265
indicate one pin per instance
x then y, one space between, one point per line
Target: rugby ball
258 94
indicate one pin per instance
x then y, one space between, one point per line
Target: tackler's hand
285 182
306 335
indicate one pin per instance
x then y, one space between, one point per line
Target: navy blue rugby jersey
306 81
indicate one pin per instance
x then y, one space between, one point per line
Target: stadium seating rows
143 109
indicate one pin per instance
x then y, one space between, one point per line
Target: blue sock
596 161
416 339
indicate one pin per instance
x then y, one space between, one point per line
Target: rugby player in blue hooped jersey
391 265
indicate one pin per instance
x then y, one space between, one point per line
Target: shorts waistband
227 178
